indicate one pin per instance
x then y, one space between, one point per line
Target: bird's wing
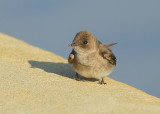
71 57
107 54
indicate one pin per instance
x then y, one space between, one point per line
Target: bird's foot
102 82
77 79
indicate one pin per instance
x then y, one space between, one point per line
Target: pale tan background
34 81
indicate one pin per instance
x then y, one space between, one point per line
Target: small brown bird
90 58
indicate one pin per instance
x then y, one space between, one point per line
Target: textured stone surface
36 81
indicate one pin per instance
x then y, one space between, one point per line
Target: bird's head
84 42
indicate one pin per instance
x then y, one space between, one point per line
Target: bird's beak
73 44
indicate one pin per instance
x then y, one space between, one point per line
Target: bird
90 58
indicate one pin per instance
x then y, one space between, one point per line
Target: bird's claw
102 82
77 79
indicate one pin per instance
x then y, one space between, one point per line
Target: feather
71 56
107 54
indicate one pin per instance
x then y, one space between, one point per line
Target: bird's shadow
62 69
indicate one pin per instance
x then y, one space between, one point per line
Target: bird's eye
85 42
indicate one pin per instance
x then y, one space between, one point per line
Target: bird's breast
93 59
84 60
92 66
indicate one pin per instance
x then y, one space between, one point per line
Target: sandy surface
34 81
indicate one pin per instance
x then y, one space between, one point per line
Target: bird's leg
102 81
77 77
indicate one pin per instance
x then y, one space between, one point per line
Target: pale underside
92 66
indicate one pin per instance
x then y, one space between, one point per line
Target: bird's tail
109 45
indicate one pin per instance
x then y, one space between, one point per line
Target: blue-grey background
135 25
